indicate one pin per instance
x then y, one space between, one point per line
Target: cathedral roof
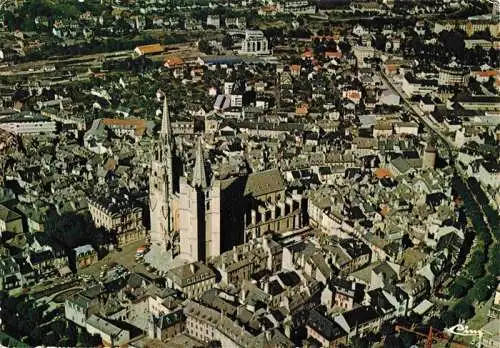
199 172
258 184
265 182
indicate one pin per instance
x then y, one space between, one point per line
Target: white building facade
255 43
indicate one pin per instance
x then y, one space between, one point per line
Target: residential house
85 255
343 293
213 21
348 255
382 129
244 260
48 263
111 335
407 128
416 288
388 97
10 221
325 330
359 320
10 274
192 279
84 304
174 62
399 166
166 326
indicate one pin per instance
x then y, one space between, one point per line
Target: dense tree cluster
478 280
30 322
448 45
25 16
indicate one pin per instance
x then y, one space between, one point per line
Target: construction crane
432 335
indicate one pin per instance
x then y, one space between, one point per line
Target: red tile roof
174 62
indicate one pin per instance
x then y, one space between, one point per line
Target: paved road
418 114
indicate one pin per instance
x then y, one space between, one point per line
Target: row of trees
478 280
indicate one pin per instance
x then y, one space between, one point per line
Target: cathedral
163 196
195 215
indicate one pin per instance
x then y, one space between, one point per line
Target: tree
87 340
9 304
407 338
387 328
437 323
453 42
379 42
9 20
449 318
476 264
483 289
204 47
36 336
344 46
359 342
58 327
71 333
51 339
393 341
463 309
493 266
227 42
460 287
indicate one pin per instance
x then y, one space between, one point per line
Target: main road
419 115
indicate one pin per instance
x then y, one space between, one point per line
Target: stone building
453 75
206 324
166 326
10 221
81 306
192 279
120 214
163 199
429 157
255 43
284 214
216 214
244 260
85 255
111 335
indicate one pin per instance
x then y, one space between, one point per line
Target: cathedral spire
166 129
199 174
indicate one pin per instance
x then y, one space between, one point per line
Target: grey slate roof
324 326
8 215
